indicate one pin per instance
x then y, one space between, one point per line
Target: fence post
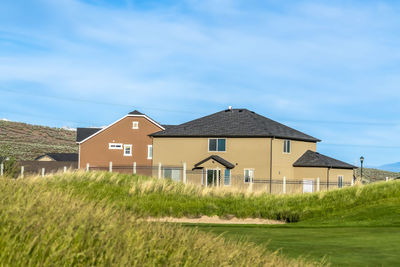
43 171
22 171
134 167
1 169
184 172
251 185
159 170
110 167
352 181
317 184
387 179
65 169
284 184
87 167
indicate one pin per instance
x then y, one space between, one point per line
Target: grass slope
45 226
351 226
26 142
152 197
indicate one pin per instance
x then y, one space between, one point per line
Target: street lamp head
362 159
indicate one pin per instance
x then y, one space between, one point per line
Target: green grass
43 226
159 198
350 246
351 226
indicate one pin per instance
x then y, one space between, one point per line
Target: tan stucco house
238 147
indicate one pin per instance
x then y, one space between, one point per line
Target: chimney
230 107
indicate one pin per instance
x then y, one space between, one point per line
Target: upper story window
149 152
287 146
135 125
217 144
114 146
127 150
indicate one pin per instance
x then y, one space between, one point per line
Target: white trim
126 116
290 146
216 138
79 156
148 150
125 154
113 146
214 169
244 174
342 181
230 177
135 125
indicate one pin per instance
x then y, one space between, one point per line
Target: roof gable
315 159
234 123
134 113
218 159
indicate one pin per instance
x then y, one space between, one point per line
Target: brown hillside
26 142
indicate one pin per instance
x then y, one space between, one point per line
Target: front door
213 177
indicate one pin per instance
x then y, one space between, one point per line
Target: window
171 173
340 181
149 151
286 146
248 175
217 144
114 146
135 125
227 177
127 150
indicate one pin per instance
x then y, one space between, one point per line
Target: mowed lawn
366 235
355 246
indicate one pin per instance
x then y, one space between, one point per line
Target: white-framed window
248 175
127 150
217 144
287 146
340 181
172 173
227 177
114 146
135 125
149 151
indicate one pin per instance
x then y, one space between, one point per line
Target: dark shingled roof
234 123
135 112
83 133
218 159
315 159
61 156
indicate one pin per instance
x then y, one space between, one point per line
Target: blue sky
328 68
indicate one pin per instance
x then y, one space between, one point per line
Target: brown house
123 143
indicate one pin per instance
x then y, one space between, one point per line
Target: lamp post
362 161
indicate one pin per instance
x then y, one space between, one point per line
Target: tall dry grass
51 226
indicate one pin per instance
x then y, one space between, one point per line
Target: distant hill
26 142
393 167
375 175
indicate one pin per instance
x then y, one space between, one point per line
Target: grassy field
351 226
26 142
157 198
45 226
